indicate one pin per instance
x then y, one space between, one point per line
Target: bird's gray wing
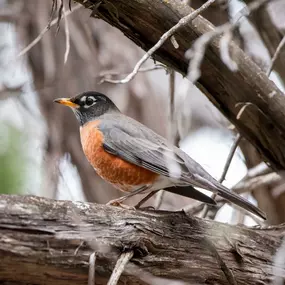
156 157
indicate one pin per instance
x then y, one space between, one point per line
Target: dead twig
255 183
67 37
275 56
124 258
91 273
182 22
225 170
107 74
197 52
42 33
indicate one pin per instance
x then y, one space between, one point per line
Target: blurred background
40 151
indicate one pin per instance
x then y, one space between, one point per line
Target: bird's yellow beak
66 102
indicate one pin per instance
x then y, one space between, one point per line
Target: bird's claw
117 203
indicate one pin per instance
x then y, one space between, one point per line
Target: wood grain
41 243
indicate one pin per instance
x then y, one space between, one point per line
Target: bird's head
88 106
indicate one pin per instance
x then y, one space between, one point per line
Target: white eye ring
89 101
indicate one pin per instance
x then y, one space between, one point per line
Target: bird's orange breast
115 170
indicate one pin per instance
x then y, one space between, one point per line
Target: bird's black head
88 106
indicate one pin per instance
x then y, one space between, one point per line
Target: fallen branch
42 240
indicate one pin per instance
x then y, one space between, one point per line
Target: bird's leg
118 202
142 201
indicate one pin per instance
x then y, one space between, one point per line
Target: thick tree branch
262 121
46 242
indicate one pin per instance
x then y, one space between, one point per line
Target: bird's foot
117 203
147 208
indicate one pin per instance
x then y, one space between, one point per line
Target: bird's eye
89 101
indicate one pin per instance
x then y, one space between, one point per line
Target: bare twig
275 56
230 157
61 7
226 168
67 38
255 183
225 51
107 74
172 131
197 52
42 33
182 22
242 109
91 273
258 170
119 267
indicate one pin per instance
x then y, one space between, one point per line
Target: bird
135 159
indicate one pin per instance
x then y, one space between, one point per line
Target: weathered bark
262 121
41 243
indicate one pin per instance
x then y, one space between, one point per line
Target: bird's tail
238 200
190 192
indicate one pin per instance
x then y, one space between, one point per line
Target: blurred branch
223 176
223 87
41 240
270 35
254 183
7 92
276 55
67 36
197 52
46 29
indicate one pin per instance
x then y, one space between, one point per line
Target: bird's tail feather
239 201
191 192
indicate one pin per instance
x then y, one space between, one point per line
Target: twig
197 52
258 170
182 22
171 128
171 124
255 183
226 168
91 273
42 33
230 157
77 249
119 267
61 7
67 38
275 56
106 74
225 51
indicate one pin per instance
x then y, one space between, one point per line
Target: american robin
135 159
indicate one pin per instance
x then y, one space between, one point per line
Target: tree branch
262 122
42 241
